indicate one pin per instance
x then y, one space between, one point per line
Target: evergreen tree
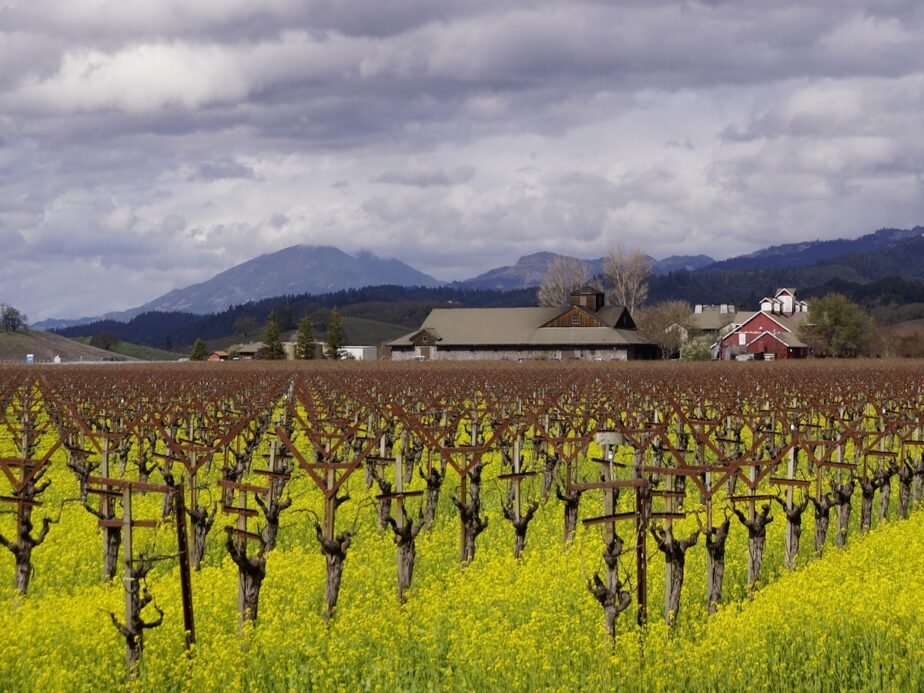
272 347
334 335
304 348
200 351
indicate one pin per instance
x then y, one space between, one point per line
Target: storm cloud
147 145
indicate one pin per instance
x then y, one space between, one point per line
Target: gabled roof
711 320
425 332
786 338
577 309
513 326
253 347
787 323
614 315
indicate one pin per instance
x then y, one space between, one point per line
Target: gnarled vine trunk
133 630
334 551
822 520
757 538
571 502
434 480
520 525
610 593
675 552
405 539
842 494
202 521
716 538
867 492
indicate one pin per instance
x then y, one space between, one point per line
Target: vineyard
357 526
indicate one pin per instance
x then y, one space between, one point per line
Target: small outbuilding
248 352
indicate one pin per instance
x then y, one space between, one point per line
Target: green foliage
245 325
838 327
698 349
272 346
136 351
11 319
334 336
105 340
200 351
304 348
665 324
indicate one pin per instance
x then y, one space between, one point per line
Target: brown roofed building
587 329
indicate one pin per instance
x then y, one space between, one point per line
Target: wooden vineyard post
193 494
613 594
242 534
403 526
128 558
104 472
330 477
790 529
189 624
135 569
641 540
609 506
251 570
669 566
516 478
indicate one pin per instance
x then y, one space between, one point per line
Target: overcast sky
148 145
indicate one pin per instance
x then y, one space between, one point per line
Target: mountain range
529 269
316 270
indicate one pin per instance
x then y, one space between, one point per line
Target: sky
147 145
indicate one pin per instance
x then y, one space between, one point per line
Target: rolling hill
45 346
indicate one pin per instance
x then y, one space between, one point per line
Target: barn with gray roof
587 329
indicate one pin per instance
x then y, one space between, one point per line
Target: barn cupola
589 297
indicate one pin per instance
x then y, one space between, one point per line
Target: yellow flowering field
850 620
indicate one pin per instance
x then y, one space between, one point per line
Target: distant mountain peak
297 269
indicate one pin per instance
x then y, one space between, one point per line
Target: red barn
774 329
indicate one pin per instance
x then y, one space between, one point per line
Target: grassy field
45 346
137 351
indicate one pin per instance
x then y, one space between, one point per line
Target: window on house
575 320
742 339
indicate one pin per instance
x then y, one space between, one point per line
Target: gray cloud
425 177
217 170
169 140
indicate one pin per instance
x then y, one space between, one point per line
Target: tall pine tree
304 348
272 347
334 336
200 351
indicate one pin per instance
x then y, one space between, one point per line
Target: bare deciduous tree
627 273
564 275
666 324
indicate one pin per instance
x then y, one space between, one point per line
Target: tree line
305 345
838 327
